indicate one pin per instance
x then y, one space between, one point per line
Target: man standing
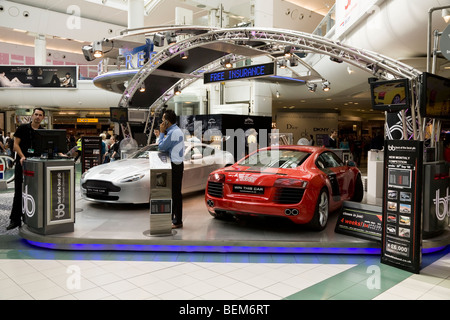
23 146
332 139
171 140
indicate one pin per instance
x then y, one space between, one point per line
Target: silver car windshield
275 159
143 153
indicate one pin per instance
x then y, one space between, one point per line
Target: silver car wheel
323 208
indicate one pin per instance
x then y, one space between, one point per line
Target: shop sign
87 120
402 204
60 195
254 71
136 58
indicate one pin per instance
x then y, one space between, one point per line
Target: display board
247 72
90 152
402 199
435 96
391 95
38 77
60 195
360 220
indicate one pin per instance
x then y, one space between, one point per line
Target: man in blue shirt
171 140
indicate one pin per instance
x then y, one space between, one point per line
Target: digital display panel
435 96
392 95
255 71
118 115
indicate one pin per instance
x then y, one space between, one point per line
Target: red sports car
301 183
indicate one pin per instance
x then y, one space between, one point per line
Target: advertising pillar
402 205
160 194
48 195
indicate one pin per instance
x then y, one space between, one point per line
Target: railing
327 23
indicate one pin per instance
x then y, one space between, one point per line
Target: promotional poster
38 77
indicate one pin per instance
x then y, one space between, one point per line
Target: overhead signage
137 57
87 120
38 77
402 204
254 71
360 220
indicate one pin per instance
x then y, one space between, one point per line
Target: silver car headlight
135 177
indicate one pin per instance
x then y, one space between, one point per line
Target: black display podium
48 195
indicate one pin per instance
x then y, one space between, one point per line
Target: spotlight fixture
226 62
446 15
171 37
311 87
184 55
293 61
97 49
177 90
278 94
283 63
288 50
142 88
158 40
326 85
88 53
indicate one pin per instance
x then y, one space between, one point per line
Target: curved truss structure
270 42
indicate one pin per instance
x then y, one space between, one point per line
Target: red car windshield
275 158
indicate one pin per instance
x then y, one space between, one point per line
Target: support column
135 13
40 50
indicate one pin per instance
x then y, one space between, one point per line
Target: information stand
91 155
160 194
402 206
49 195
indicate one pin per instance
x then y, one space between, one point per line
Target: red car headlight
216 177
290 183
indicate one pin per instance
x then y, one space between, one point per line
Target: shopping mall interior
298 70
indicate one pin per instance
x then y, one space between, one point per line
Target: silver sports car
128 180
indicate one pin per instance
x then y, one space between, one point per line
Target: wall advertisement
402 196
38 77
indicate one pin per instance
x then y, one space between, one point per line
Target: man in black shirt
23 146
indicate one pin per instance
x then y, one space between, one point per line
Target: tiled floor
28 273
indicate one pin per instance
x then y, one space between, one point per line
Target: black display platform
126 228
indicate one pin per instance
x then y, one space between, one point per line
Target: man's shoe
177 226
13 225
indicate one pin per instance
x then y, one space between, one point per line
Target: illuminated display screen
255 71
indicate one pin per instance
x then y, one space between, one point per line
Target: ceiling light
97 49
184 55
226 62
177 91
278 94
326 85
282 63
171 37
142 88
311 87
